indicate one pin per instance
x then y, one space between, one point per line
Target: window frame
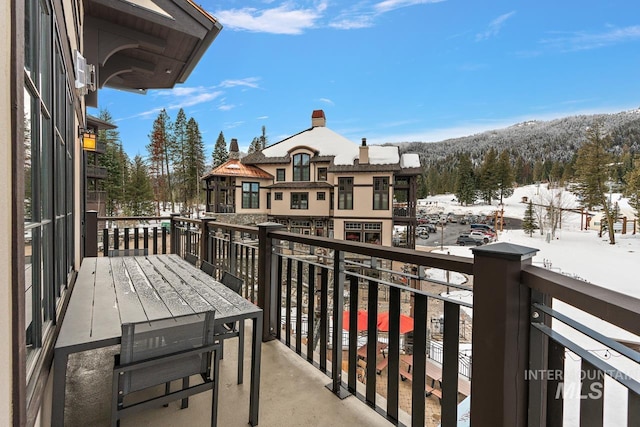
49 201
345 193
299 201
301 167
367 232
281 174
250 195
322 174
381 193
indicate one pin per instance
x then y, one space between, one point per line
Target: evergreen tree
504 176
178 152
488 179
529 224
115 161
433 181
254 146
465 183
538 171
632 190
555 175
422 186
259 142
139 191
159 169
194 163
220 153
592 175
263 138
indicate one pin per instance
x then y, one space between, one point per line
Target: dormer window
301 167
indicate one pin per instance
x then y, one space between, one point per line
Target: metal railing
520 334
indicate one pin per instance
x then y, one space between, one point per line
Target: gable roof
233 167
326 145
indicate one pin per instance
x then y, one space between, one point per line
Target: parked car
483 227
430 228
465 239
480 236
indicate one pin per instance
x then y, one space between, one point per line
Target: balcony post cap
507 251
269 224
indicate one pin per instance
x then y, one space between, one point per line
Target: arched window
301 167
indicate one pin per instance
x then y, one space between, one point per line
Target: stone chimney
363 159
234 151
318 119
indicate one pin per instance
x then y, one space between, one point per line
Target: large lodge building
317 182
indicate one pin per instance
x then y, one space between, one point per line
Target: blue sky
397 70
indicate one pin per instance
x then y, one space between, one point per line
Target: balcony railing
96 172
96 196
305 283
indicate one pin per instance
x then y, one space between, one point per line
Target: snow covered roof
410 160
328 144
322 140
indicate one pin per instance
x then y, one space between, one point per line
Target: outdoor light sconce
88 139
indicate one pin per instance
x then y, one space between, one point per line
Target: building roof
98 123
300 184
329 146
233 167
145 44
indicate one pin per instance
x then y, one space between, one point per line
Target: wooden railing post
267 282
91 233
204 239
232 252
174 238
501 325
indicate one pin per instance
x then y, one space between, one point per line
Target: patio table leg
59 386
254 398
240 351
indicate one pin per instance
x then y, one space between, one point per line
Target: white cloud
292 19
494 27
232 125
353 23
388 5
326 101
263 117
280 20
195 99
226 107
585 41
251 82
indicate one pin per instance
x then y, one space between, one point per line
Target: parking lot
450 232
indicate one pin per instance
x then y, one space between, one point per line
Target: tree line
170 175
598 167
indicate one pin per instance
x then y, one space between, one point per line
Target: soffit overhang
145 44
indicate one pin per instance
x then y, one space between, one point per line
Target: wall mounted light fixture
88 139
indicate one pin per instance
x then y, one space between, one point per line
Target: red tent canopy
406 323
362 320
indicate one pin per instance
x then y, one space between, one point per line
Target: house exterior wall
262 206
6 219
363 211
42 203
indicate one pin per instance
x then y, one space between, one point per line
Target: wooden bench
429 390
381 365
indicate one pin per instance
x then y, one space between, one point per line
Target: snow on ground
580 254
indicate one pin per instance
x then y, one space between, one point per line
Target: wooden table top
110 291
